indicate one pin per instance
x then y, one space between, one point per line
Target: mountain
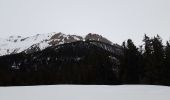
17 44
56 58
79 62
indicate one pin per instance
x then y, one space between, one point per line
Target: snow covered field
78 92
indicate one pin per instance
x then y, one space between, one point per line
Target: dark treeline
79 62
148 64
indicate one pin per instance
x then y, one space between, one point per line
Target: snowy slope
17 44
78 92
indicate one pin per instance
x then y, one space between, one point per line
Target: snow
86 92
14 66
76 38
8 46
43 45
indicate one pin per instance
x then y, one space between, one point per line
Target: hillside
81 62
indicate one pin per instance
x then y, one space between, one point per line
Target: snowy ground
78 92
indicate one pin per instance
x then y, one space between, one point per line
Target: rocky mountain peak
17 44
97 37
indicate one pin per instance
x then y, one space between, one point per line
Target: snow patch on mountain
17 44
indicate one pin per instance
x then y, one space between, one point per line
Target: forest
89 62
147 64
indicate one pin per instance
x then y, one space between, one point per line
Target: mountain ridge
17 44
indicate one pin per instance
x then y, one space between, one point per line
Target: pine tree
147 55
167 65
153 60
158 59
130 64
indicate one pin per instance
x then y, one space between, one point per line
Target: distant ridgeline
80 62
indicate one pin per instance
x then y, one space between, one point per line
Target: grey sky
115 19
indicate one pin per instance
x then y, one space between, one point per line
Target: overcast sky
117 20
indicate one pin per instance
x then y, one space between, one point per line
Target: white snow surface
86 92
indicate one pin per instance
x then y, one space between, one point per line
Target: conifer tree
158 59
167 65
130 63
153 60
